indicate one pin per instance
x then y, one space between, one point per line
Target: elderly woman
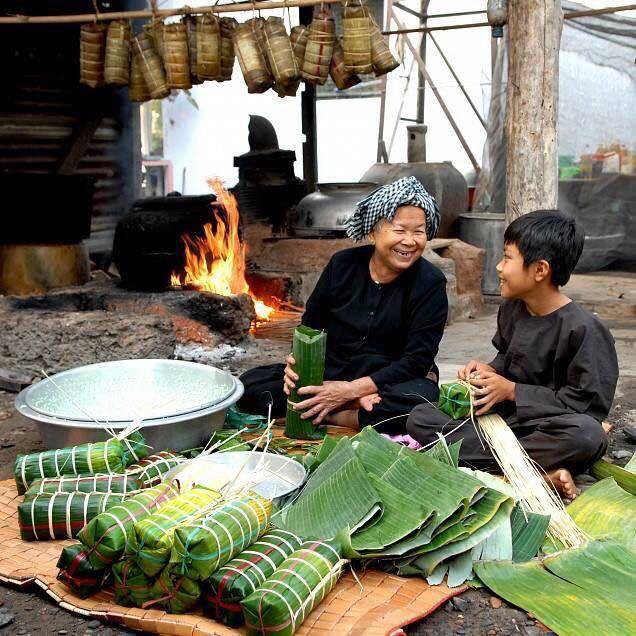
384 309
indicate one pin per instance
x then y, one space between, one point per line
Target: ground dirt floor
476 612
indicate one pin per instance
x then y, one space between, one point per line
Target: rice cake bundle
131 586
227 49
92 48
356 38
319 48
117 58
341 76
208 47
454 400
241 576
283 602
61 515
137 89
383 60
190 23
200 549
253 65
298 37
151 66
174 593
85 459
77 572
150 471
176 58
107 535
151 541
280 53
125 483
154 30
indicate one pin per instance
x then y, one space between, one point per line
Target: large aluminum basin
179 404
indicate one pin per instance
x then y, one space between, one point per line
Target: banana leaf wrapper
383 60
280 53
135 448
131 586
298 38
454 400
176 58
208 47
150 470
308 349
240 577
137 89
319 47
200 549
341 76
248 52
356 37
92 50
106 536
301 582
190 22
113 483
175 593
151 541
86 459
61 515
117 57
151 65
76 571
227 49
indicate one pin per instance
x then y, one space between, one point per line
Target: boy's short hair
551 236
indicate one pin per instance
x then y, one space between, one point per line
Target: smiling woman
383 307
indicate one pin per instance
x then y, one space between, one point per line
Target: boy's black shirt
564 362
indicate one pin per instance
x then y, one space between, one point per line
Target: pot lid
128 390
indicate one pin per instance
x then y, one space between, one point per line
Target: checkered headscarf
384 202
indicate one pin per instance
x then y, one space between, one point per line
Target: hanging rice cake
151 541
77 572
203 547
61 515
300 583
150 471
107 535
125 483
241 576
131 586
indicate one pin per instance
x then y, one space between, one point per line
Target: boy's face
515 280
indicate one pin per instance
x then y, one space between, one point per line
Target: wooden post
532 105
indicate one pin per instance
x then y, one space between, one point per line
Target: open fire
216 261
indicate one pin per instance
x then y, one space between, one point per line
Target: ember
216 261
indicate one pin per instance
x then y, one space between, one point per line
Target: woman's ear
542 270
371 236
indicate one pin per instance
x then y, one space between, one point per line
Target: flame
215 262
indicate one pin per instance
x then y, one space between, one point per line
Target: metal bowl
287 474
180 403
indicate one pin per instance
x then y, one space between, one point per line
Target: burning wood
215 262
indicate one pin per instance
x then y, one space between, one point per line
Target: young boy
555 373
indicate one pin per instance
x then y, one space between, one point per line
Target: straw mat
379 606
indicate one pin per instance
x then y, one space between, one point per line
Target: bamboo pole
439 98
461 86
382 154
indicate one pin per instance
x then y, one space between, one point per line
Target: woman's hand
494 388
326 398
474 367
367 402
290 378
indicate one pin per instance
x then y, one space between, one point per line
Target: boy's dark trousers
570 440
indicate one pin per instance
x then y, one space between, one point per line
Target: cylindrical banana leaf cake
240 577
113 483
131 586
77 572
151 470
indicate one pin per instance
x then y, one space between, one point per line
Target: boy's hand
474 366
492 389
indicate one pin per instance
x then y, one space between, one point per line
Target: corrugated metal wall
42 108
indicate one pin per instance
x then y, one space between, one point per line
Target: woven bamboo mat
381 604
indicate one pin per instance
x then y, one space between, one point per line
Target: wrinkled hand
326 398
291 377
474 367
367 402
492 389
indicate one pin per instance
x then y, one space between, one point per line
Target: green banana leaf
528 533
454 400
604 511
625 478
131 586
460 569
151 469
308 349
175 593
631 464
76 571
445 453
587 590
338 495
112 483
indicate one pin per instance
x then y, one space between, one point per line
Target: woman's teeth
403 254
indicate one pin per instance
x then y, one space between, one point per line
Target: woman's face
400 242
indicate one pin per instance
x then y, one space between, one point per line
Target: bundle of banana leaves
151 540
150 471
61 515
76 571
112 456
287 597
200 548
240 577
131 586
105 537
112 483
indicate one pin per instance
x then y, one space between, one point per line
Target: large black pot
148 243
